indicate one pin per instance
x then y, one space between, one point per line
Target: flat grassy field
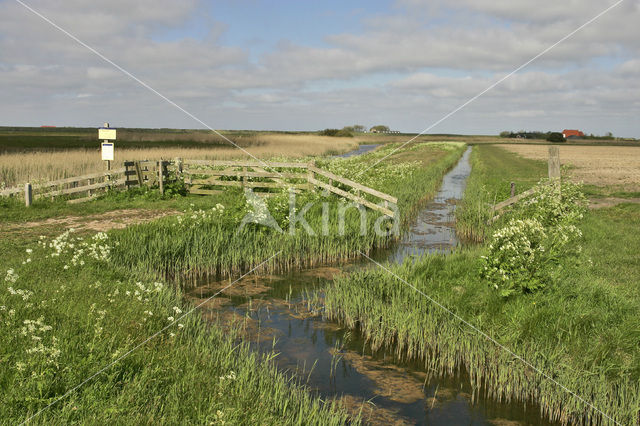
78 301
580 331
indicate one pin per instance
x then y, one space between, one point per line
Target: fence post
139 173
513 189
179 165
161 177
554 162
310 174
28 194
108 169
126 175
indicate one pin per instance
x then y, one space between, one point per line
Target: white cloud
422 61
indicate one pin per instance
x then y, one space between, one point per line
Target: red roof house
572 134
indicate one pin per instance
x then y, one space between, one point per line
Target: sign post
107 134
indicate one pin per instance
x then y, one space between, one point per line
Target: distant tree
379 128
336 133
359 128
506 134
556 137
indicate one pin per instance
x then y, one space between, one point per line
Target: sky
308 65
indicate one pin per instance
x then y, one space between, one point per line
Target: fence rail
72 185
513 200
203 176
206 177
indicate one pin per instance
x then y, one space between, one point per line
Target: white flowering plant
554 203
523 254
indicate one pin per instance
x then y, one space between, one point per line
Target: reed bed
41 166
203 243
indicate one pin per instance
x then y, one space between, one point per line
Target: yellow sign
107 134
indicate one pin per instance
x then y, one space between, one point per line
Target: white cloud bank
407 69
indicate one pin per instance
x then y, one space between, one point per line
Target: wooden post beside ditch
160 176
28 194
126 175
513 189
554 162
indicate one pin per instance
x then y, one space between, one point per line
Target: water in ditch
360 150
336 362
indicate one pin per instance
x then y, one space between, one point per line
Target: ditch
336 362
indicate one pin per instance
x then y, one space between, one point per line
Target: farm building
572 134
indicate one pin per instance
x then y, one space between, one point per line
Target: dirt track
116 219
597 165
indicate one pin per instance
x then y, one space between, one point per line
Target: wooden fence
86 185
332 183
211 177
554 172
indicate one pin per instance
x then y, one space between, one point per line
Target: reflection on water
336 362
434 227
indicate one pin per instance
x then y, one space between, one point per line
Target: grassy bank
581 330
493 170
65 314
211 241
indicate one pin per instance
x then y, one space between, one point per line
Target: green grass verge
61 323
493 170
581 331
13 211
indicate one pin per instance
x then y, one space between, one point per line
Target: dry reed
36 166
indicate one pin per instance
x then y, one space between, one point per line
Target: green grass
14 211
493 170
215 245
617 191
97 311
196 373
582 330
